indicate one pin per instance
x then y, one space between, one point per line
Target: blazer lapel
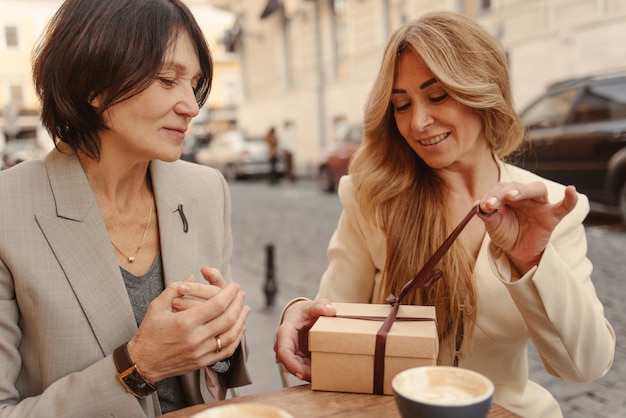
178 229
78 237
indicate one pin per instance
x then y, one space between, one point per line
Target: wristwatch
129 375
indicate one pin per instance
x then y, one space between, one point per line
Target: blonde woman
439 123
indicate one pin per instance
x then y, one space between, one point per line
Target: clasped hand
179 332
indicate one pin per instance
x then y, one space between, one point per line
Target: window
550 111
340 35
230 94
17 95
10 36
291 35
398 13
474 7
602 102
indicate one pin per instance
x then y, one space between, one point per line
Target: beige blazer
63 303
554 305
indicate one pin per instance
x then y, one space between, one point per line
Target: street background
298 221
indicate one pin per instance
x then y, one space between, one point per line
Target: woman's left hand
213 276
520 219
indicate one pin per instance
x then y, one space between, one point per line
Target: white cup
442 392
243 410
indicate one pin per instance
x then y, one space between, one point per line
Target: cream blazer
554 305
63 303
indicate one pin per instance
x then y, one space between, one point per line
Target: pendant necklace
132 258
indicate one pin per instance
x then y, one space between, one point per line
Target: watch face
136 384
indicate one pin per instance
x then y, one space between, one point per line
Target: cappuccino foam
442 385
243 410
440 394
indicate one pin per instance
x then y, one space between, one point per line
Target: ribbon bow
427 276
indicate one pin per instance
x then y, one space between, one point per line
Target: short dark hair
110 49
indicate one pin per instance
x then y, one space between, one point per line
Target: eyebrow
174 65
422 86
428 83
178 67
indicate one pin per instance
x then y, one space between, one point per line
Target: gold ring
219 344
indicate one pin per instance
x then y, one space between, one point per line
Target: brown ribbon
424 278
382 318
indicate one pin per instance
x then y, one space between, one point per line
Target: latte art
443 386
448 395
442 391
243 410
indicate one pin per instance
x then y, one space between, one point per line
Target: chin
169 158
437 164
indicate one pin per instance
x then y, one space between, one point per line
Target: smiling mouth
434 140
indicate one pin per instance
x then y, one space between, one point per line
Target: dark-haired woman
115 290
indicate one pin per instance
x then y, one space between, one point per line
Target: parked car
335 159
191 145
576 135
17 150
238 155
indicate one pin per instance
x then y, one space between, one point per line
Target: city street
298 221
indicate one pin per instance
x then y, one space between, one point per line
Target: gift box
343 347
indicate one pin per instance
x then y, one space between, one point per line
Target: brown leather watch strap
129 375
122 359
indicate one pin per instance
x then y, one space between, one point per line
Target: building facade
309 64
23 21
306 66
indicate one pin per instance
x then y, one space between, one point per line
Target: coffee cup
442 392
243 410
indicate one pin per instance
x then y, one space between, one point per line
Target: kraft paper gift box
342 349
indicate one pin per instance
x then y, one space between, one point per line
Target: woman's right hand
180 330
291 344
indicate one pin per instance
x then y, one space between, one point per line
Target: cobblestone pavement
298 221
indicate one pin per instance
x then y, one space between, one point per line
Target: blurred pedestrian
288 145
272 144
100 310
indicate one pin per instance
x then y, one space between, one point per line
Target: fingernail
492 201
184 288
514 193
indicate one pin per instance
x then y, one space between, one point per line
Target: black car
576 135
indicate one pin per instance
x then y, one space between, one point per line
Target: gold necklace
132 258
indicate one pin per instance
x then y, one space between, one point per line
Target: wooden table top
302 402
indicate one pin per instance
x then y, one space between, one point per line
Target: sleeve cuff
288 305
501 266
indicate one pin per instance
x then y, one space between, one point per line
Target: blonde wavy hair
403 195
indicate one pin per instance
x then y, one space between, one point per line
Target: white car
238 155
17 150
